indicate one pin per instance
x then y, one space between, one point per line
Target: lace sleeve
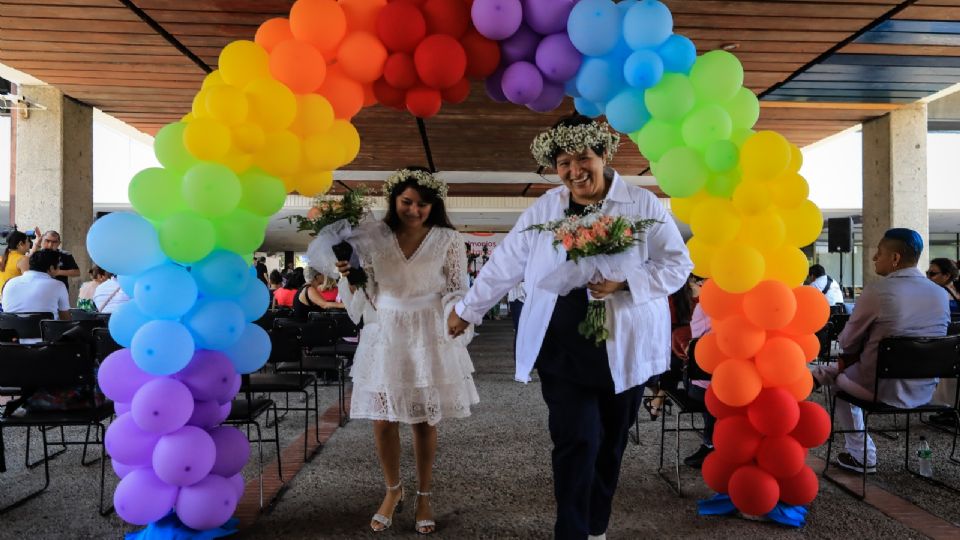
360 304
455 267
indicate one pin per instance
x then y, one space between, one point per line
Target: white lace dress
407 369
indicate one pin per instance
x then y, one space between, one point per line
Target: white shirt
640 318
106 300
517 294
35 292
834 294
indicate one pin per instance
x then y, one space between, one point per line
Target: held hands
344 268
604 288
455 325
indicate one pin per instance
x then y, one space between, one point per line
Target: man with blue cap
904 303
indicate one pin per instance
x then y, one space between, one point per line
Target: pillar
54 171
894 179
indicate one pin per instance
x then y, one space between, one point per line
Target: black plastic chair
317 340
27 325
77 314
246 411
103 344
51 331
685 406
904 358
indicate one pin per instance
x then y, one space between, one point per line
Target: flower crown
574 139
423 178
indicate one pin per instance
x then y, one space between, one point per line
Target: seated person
682 305
283 297
36 291
903 303
697 390
944 273
818 278
315 296
109 296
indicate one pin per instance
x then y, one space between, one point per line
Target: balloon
460 91
588 108
800 489
751 197
209 376
787 264
261 194
184 457
780 362
243 61
166 291
678 54
812 312
789 190
238 484
401 37
389 96
547 16
626 112
162 347
744 108
362 55
766 232
483 55
801 388
450 17
716 76
129 444
233 450
207 139
122 470
717 471
735 439
281 154
738 338
656 138
599 79
423 102
680 171
221 273
775 412
254 300
701 254
124 323
209 503
362 14
161 406
344 94
227 104
715 221
738 269
240 232
440 60
251 351
770 305
643 69
594 26
186 237
247 137
272 105
214 324
813 426
796 159
273 31
705 125
708 354
718 303
753 491
496 19
155 193
810 344
671 98
721 155
718 408
323 152
208 414
299 65
494 86
736 382
647 24
119 377
141 498
321 23
169 149
765 155
804 223
123 243
522 45
314 115
550 98
522 83
400 72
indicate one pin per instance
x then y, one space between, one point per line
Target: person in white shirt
36 291
592 392
819 279
109 296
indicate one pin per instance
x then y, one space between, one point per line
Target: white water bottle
925 456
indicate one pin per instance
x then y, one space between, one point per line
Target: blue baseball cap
909 237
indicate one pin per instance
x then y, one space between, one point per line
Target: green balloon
716 76
155 193
169 149
263 194
706 124
656 137
744 108
740 136
721 156
681 172
186 237
723 184
241 232
211 189
671 99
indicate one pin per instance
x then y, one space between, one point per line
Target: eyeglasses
931 273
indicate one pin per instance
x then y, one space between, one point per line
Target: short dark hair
908 254
947 266
275 277
575 119
44 259
438 211
817 271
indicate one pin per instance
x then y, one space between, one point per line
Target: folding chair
685 405
27 325
903 358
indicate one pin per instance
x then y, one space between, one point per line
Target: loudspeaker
840 235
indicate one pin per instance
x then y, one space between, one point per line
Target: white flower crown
423 178
574 139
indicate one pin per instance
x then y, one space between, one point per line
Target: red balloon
388 95
813 427
457 93
735 439
801 488
718 408
400 72
483 55
781 456
774 412
450 17
401 26
423 102
753 491
716 472
441 61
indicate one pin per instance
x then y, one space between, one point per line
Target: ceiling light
730 46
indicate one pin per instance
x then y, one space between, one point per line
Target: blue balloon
251 351
221 273
125 322
124 243
128 283
599 79
626 112
625 5
594 26
648 23
165 292
678 54
587 107
254 301
162 347
215 323
643 69
570 88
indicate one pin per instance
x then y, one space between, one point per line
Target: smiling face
412 209
582 173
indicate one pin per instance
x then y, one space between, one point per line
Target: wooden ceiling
143 60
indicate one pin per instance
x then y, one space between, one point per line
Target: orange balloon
708 353
810 344
362 55
298 65
738 337
736 382
369 98
272 32
770 305
812 312
801 387
321 23
780 362
345 94
718 303
362 14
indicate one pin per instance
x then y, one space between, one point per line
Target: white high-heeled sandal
423 523
384 520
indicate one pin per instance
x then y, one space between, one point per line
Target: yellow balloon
314 183
765 155
737 268
796 159
322 152
212 79
751 197
187 118
272 104
248 137
786 264
789 190
683 207
348 137
199 107
314 115
765 231
242 62
715 221
701 254
238 162
227 104
280 155
207 139
804 224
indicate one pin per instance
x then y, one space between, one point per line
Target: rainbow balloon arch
275 118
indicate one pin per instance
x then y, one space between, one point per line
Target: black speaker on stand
840 239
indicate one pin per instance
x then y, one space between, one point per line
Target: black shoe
849 462
695 459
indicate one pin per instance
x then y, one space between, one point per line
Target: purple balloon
547 16
238 484
207 504
122 469
557 58
550 98
234 388
142 498
493 86
522 45
129 444
522 83
120 407
162 405
496 19
233 450
209 375
184 457
206 414
119 377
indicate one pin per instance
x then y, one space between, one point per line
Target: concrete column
894 179
54 171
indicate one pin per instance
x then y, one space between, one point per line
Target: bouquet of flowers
588 237
325 211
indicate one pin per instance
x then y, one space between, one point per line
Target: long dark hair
438 211
947 267
683 302
13 240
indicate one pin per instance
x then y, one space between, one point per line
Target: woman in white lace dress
407 369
